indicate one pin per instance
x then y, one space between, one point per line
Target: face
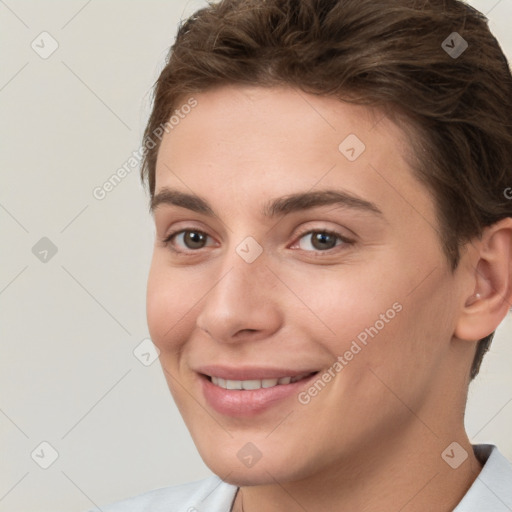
296 257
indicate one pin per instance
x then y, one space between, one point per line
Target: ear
490 295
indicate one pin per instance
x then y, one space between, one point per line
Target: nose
242 302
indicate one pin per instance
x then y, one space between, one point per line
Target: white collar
492 489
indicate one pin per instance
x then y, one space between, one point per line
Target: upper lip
252 372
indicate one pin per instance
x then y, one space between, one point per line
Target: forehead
282 117
253 143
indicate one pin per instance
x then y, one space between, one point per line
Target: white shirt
490 492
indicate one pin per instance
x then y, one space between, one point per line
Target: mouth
252 384
249 392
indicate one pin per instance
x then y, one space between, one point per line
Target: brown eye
194 239
320 240
187 239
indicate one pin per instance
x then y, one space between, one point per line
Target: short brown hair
390 54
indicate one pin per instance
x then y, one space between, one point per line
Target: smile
246 392
255 384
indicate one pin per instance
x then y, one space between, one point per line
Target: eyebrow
276 207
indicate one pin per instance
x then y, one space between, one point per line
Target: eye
312 241
190 239
321 240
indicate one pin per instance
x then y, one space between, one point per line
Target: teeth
255 384
269 383
251 384
234 384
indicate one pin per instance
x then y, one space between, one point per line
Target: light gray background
69 326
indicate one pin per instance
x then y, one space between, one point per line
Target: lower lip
242 402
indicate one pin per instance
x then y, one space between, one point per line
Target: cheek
387 318
169 311
340 306
168 307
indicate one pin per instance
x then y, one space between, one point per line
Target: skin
372 439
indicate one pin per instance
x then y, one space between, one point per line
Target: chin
228 463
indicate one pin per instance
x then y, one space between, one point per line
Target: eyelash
167 242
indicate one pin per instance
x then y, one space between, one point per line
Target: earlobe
491 276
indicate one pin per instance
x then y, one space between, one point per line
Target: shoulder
492 489
210 494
